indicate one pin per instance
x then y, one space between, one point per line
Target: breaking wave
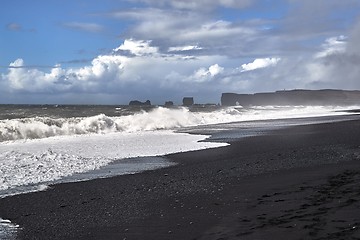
43 127
158 118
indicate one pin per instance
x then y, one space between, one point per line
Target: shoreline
210 193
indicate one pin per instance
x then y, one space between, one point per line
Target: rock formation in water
293 97
169 104
138 103
188 101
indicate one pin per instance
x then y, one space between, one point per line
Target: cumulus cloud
176 48
206 74
138 69
215 70
143 72
137 48
22 79
260 63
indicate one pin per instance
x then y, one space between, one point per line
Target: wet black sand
296 183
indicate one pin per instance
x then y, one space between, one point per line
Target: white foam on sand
8 230
39 161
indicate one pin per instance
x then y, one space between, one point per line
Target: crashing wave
158 119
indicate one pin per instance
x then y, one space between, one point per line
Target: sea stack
138 103
169 104
188 101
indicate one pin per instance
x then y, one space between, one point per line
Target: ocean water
46 144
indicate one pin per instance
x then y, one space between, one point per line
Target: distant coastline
295 97
323 97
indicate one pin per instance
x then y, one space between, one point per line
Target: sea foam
8 230
36 151
39 161
157 119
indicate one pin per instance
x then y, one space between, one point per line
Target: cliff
138 103
293 97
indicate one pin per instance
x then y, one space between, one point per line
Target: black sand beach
297 183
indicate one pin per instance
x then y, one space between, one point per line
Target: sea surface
45 144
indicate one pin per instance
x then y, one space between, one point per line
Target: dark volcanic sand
296 183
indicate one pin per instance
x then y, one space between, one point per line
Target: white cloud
147 74
204 74
199 58
260 63
215 70
332 46
137 70
137 48
30 80
184 48
103 66
174 29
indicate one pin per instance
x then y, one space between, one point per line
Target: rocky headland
293 97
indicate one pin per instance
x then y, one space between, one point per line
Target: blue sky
114 51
